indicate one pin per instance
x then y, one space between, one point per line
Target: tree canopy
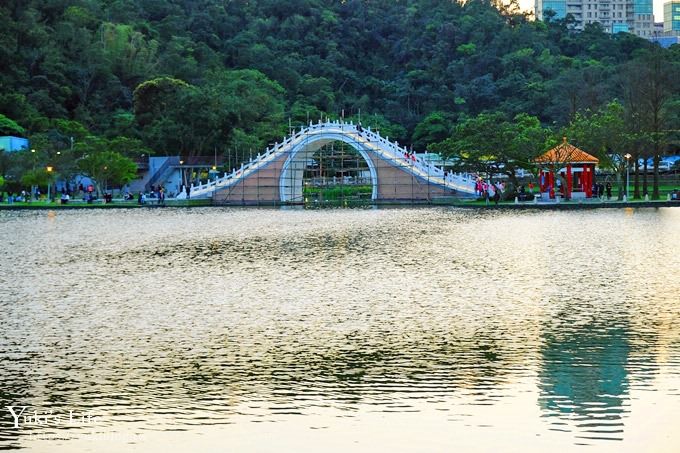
205 76
107 167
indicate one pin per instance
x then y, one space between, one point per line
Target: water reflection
177 321
584 378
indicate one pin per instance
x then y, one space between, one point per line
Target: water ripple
176 320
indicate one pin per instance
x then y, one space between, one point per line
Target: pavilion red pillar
569 182
544 181
588 180
592 178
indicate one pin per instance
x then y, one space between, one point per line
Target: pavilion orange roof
566 153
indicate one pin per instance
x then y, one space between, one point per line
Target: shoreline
564 205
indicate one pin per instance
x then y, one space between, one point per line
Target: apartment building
671 18
633 16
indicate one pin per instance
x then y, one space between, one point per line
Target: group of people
157 193
599 190
489 191
18 198
410 157
24 196
66 194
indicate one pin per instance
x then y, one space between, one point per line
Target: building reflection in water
584 382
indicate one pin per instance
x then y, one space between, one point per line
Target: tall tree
655 84
491 144
605 134
108 168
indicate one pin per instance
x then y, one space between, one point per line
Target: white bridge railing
373 141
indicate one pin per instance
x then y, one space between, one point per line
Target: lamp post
627 156
182 183
32 185
49 182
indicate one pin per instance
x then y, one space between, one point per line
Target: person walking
609 190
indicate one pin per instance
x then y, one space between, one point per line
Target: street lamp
627 156
33 185
49 182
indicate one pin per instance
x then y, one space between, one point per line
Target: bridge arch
292 172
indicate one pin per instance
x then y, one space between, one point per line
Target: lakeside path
509 205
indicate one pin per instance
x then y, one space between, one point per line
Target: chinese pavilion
574 165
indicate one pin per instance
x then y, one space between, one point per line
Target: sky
658 8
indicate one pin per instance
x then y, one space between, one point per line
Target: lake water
424 329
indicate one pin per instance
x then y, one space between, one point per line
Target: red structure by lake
567 170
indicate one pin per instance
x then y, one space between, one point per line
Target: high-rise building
633 16
671 18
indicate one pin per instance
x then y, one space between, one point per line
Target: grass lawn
338 192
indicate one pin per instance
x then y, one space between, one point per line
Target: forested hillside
192 76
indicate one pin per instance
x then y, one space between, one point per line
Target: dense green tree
155 97
209 76
107 168
38 178
604 134
434 128
10 127
651 82
249 108
490 144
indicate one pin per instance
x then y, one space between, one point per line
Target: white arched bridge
277 175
